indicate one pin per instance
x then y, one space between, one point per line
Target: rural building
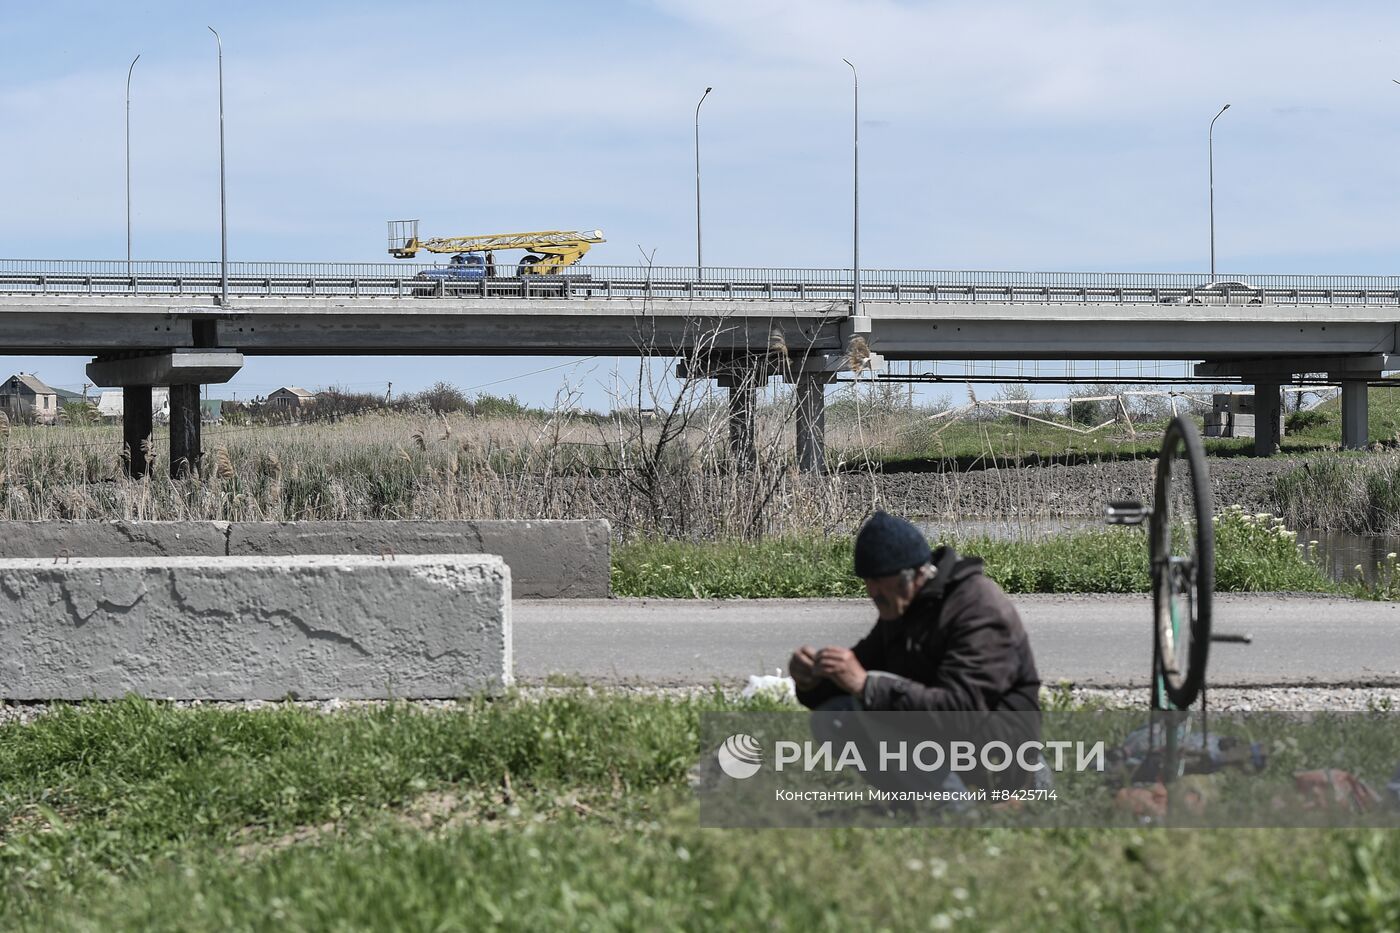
65 396
112 404
291 398
24 397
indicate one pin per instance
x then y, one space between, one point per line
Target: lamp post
698 262
1210 149
855 232
223 202
128 163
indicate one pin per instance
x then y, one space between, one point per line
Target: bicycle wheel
1183 563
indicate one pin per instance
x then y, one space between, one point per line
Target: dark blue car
462 267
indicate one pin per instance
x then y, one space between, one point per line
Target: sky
994 136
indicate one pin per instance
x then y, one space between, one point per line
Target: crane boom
556 248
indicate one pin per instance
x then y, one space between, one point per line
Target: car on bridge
1219 293
465 273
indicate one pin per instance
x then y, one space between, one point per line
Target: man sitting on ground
947 638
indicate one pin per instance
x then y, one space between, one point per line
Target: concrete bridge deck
171 327
104 324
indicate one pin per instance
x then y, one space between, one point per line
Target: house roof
294 390
111 403
33 383
66 396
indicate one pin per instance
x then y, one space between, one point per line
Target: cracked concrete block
254 628
112 539
546 558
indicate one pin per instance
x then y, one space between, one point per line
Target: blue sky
996 135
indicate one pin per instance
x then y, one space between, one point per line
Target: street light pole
128 163
855 234
223 202
698 262
1210 149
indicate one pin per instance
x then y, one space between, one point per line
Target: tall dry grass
669 474
396 466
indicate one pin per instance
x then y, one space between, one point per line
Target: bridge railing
389 279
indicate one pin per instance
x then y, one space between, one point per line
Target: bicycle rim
1183 558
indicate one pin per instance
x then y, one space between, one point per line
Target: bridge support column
1268 418
185 450
743 399
810 373
184 370
811 422
1355 414
136 428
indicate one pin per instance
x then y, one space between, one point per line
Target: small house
291 398
111 405
24 397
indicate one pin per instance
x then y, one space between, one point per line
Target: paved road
1089 640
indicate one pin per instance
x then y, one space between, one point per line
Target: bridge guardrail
246 279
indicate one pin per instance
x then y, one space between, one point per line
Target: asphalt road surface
1094 641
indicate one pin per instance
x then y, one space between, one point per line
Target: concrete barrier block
1239 403
112 539
247 628
546 558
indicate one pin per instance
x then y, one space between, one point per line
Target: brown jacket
960 646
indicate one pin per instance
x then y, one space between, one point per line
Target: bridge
167 323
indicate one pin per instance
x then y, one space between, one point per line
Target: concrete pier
136 427
1355 414
185 450
811 422
184 370
1268 419
743 400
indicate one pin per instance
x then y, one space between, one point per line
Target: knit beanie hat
885 545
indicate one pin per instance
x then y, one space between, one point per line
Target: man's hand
802 668
841 667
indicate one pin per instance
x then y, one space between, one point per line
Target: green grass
139 816
1251 556
1383 416
1014 441
1352 492
971 444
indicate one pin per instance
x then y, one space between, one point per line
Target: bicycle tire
1181 688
